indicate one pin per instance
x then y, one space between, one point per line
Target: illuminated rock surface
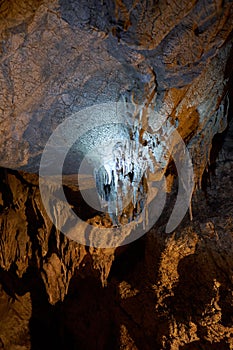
164 291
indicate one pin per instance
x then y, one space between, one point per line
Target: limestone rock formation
164 291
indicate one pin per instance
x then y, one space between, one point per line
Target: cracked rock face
58 57
164 291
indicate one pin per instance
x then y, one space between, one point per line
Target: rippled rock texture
164 291
58 57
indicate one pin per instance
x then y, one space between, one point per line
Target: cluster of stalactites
120 180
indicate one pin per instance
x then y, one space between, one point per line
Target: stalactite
120 179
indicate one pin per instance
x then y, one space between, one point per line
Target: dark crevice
126 259
219 139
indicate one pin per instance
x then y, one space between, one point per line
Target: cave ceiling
76 75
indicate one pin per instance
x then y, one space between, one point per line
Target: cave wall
163 291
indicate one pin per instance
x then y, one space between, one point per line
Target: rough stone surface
58 57
163 291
